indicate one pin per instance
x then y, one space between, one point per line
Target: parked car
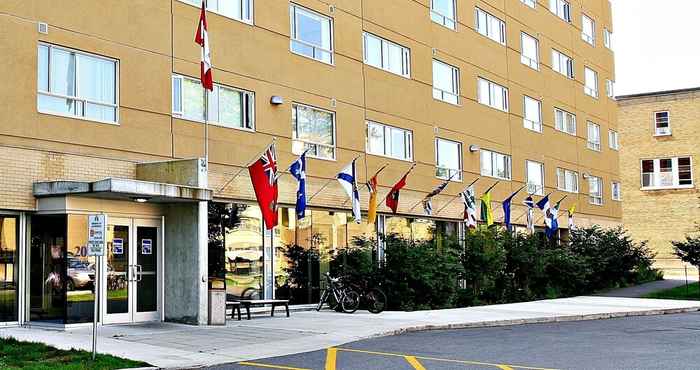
81 275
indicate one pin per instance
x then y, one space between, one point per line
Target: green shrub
689 250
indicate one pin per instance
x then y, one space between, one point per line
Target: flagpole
457 196
250 162
511 196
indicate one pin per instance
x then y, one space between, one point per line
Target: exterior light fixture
276 100
140 199
585 176
474 148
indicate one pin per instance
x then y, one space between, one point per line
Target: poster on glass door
146 246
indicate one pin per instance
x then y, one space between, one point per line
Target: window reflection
48 268
244 254
8 268
80 273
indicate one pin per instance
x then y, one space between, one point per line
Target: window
532 114
76 84
530 3
387 55
241 10
389 141
593 136
587 29
607 38
534 172
445 82
667 173
490 26
562 64
226 106
312 34
590 86
595 190
610 89
448 159
561 8
564 121
443 12
616 191
313 129
662 123
495 164
567 180
529 54
492 94
613 140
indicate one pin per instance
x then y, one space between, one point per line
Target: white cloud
656 44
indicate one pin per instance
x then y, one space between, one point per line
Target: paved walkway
174 345
641 290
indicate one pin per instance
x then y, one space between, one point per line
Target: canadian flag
202 38
263 175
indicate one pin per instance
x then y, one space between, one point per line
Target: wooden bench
247 303
235 306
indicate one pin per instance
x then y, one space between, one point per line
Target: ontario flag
202 39
392 199
263 175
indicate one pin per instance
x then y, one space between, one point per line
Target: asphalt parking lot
647 342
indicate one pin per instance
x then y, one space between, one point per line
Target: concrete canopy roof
123 189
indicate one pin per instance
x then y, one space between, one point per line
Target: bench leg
239 313
247 311
287 308
272 311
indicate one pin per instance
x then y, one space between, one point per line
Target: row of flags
264 175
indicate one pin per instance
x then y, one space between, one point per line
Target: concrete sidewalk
641 290
174 345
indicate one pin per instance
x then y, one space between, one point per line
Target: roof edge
658 93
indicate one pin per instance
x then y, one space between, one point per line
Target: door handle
139 273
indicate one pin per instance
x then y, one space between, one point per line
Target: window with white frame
595 190
226 106
664 173
607 38
445 82
495 164
567 180
610 89
532 114
448 157
564 121
240 10
313 129
616 191
590 86
389 141
492 94
311 34
490 26
76 84
587 29
613 140
529 53
562 63
534 172
593 136
530 3
662 123
561 8
443 12
387 55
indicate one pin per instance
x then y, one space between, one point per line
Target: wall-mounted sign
146 246
96 235
118 246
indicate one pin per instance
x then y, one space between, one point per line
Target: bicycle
373 298
338 295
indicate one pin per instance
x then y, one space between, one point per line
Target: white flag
348 180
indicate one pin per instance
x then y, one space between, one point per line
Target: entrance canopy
123 189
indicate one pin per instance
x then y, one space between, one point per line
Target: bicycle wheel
333 303
324 296
350 301
376 301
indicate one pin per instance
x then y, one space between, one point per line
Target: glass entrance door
131 271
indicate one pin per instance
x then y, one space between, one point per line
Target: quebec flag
348 180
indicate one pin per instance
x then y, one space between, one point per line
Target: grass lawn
34 356
693 293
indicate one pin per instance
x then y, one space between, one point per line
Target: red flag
392 199
202 38
263 175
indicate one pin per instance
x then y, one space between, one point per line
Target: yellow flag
486 211
372 209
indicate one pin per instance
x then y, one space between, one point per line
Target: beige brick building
658 164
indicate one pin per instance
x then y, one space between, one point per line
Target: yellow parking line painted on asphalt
414 362
501 366
255 364
331 355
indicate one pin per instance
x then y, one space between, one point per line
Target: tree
689 250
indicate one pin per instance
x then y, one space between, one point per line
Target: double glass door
131 271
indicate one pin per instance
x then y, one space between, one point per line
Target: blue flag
298 170
348 181
550 216
506 210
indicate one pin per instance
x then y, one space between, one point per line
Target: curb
535 320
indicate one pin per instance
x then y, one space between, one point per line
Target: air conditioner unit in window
663 131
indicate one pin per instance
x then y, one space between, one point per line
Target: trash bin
217 305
